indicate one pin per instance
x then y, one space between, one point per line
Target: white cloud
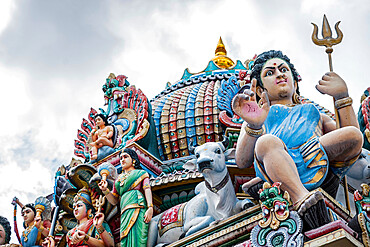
6 10
14 97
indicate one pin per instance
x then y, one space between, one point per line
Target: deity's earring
90 216
260 103
296 98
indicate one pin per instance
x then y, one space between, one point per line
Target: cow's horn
225 142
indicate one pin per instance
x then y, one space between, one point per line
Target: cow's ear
190 165
230 154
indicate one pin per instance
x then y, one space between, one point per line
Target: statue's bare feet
94 157
313 211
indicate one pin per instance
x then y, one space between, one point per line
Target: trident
328 41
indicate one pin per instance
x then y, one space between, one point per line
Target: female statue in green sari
132 189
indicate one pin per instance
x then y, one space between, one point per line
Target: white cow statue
357 175
360 171
215 199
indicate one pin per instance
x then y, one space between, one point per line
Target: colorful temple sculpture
279 226
164 172
364 117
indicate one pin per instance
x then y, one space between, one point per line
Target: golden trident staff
328 41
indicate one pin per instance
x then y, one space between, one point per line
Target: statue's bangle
86 238
106 192
340 103
41 229
253 132
150 205
101 229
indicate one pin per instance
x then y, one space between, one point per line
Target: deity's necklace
26 232
122 178
291 105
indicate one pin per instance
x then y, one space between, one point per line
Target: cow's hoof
248 204
182 235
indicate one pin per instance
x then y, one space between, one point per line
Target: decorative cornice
225 231
175 179
146 159
339 237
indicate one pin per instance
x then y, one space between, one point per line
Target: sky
56 55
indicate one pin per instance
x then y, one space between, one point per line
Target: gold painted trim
130 206
132 222
365 236
178 223
138 181
221 232
339 237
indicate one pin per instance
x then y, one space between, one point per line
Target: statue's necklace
122 178
26 232
290 105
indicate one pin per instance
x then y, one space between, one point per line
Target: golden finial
220 49
221 60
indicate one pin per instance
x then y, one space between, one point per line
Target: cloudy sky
55 56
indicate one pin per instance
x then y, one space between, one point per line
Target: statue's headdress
84 196
31 206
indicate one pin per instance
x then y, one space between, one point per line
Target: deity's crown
84 196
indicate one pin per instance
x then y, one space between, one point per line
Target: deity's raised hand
98 219
245 105
333 85
103 185
38 221
48 242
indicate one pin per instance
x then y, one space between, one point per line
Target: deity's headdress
84 196
31 206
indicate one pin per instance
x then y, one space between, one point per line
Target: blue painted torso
30 237
293 125
299 127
